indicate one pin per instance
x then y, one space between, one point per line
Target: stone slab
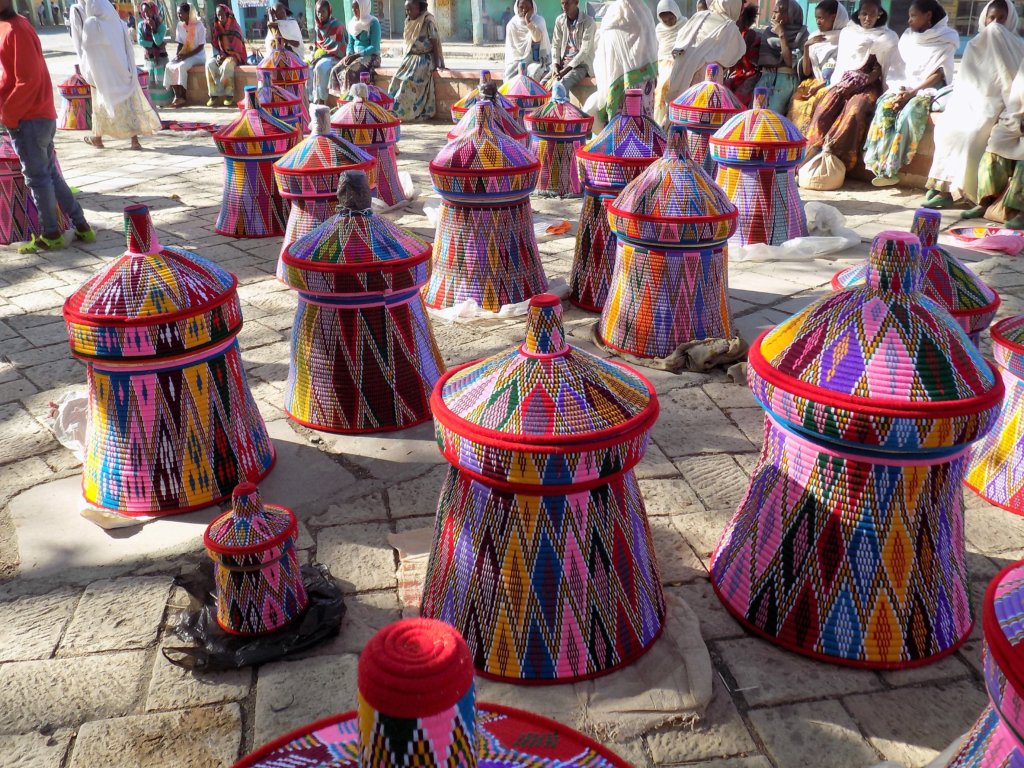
389 456
171 687
669 496
365 614
358 555
35 750
419 496
691 423
294 693
117 615
31 627
818 733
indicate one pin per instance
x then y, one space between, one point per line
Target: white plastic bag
827 235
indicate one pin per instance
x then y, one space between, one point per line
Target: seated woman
709 36
152 36
363 50
670 21
527 42
282 23
744 75
925 64
782 46
626 57
982 81
228 53
818 62
331 43
1001 173
412 87
842 116
191 38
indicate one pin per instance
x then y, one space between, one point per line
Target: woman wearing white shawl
362 54
924 64
983 79
818 62
190 34
709 36
626 57
527 42
866 48
119 107
670 21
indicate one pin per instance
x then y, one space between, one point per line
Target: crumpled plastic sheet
213 649
68 419
828 234
469 310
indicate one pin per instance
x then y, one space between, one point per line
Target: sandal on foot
938 201
229 102
885 181
1017 222
973 213
211 102
86 236
94 142
40 243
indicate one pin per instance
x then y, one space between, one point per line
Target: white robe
921 54
825 52
626 41
176 72
108 62
856 44
709 36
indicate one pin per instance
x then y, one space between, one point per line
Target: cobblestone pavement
84 614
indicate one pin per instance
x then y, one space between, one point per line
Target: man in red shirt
26 110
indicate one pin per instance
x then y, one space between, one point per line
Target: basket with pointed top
373 93
465 105
700 111
19 217
525 92
557 130
375 130
75 112
287 70
280 102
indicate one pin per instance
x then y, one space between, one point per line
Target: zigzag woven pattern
758 137
847 557
488 254
19 218
501 120
558 172
281 103
545 587
374 94
251 205
769 205
75 110
706 106
697 148
594 256
989 744
523 91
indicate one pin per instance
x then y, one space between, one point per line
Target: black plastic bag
214 649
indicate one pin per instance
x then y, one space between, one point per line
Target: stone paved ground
85 614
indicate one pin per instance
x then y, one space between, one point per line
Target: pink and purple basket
700 111
374 129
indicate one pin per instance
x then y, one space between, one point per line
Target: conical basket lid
283 63
373 93
75 84
270 95
880 365
627 145
363 122
322 155
545 393
706 105
524 90
674 202
153 301
759 136
250 526
502 121
559 118
465 104
255 132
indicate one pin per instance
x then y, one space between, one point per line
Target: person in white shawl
284 24
818 61
119 107
626 58
670 21
709 36
190 34
983 79
924 64
527 42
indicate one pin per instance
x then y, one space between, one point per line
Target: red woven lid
415 668
251 526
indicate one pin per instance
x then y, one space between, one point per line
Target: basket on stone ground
280 102
947 280
19 217
997 738
172 425
557 130
308 175
75 112
373 93
287 70
502 120
375 130
996 470
255 566
485 248
757 152
700 111
542 553
363 355
417 705
607 163
464 105
525 92
849 544
670 282
251 205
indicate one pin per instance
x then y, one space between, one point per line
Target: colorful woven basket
251 205
849 545
525 92
996 470
757 152
417 707
485 249
172 425
542 553
373 93
75 112
670 281
557 130
19 217
288 71
997 738
307 176
143 76
947 280
375 130
363 357
700 111
279 102
465 104
255 566
502 120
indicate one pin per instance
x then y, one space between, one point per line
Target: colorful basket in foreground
700 111
606 164
374 129
259 585
757 152
542 554
557 130
417 706
75 111
172 424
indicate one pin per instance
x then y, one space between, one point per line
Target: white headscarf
365 20
626 41
1007 139
709 36
108 62
76 20
983 82
520 35
821 53
856 44
666 34
921 53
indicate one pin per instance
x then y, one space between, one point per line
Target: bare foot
94 141
135 144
